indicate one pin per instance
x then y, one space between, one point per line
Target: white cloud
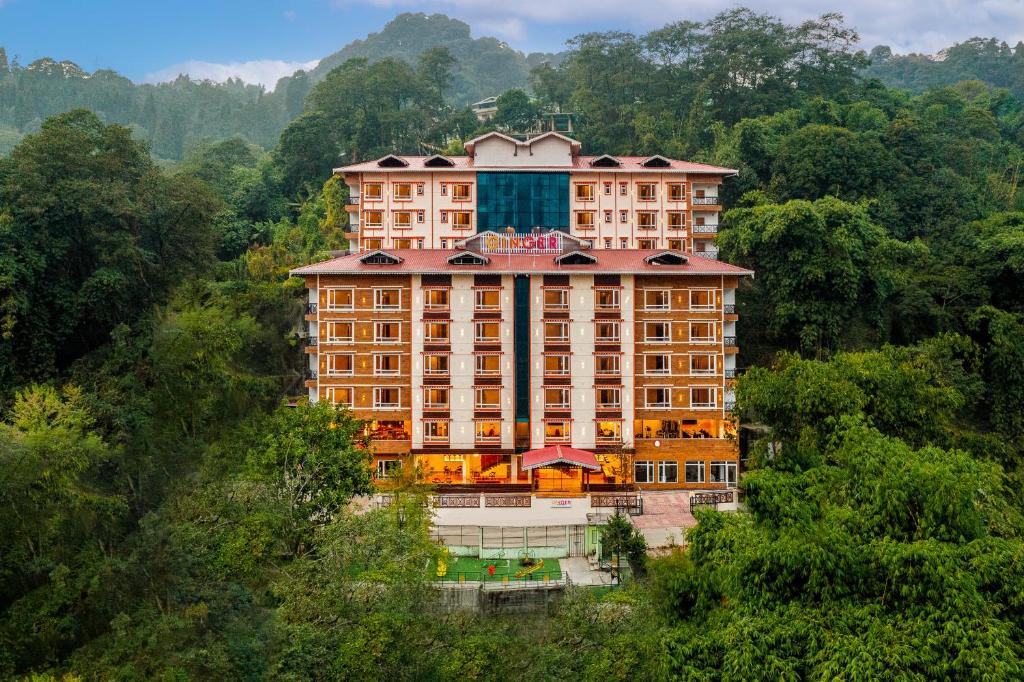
904 25
265 72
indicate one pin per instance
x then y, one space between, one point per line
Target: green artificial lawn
473 569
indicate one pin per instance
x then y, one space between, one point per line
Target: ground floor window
668 472
388 468
643 472
724 472
695 472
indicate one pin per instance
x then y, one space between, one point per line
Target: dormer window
468 258
575 258
380 258
656 161
666 258
392 161
438 161
605 161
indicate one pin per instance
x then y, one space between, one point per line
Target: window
556 299
657 364
608 217
556 432
340 364
420 216
695 472
608 398
444 242
606 332
488 299
585 192
340 299
624 243
724 472
403 243
373 191
488 398
435 431
702 396
668 472
387 299
403 220
388 468
488 332
435 364
608 432
372 244
702 363
461 192
556 365
702 299
386 365
435 398
645 191
657 299
699 220
675 244
419 188
585 220
435 299
556 332
435 332
607 189
387 332
488 365
606 299
658 396
556 398
607 365
646 220
338 395
340 332
676 220
623 189
403 191
461 220
607 242
488 432
677 192
623 217
386 398
643 472
702 332
648 244
657 332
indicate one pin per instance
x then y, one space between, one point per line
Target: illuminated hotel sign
522 243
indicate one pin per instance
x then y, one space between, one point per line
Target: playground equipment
529 569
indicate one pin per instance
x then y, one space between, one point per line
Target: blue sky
258 40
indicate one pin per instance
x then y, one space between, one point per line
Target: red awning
558 454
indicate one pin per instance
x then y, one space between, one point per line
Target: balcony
312 341
729 341
729 308
711 254
705 201
730 405
705 229
352 201
311 308
309 374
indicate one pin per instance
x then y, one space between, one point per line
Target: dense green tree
516 112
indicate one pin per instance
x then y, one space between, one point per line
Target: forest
167 516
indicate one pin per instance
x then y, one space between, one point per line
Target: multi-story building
625 202
471 325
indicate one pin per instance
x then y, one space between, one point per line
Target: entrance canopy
557 454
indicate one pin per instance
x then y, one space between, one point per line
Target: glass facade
522 200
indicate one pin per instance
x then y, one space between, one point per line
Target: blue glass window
522 200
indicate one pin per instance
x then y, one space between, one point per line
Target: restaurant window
435 398
403 191
385 365
702 332
702 363
435 364
340 364
668 472
657 332
695 472
340 332
386 398
488 300
436 299
556 432
658 396
488 432
388 468
556 365
339 395
609 398
643 472
387 299
584 192
340 299
608 431
488 332
606 299
435 332
657 364
607 365
702 299
657 299
556 299
723 472
488 398
488 365
435 432
702 396
556 398
645 191
556 331
387 332
461 192
606 332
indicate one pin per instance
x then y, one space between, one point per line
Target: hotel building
525 298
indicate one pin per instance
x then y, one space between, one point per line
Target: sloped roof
559 454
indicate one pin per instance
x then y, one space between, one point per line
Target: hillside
985 59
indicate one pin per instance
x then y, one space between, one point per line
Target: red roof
435 261
632 164
558 454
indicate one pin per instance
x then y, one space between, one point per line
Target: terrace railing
629 504
506 501
456 501
712 499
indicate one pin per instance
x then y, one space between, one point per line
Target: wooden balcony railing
705 201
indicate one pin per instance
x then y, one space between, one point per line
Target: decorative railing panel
456 501
712 499
631 504
508 500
